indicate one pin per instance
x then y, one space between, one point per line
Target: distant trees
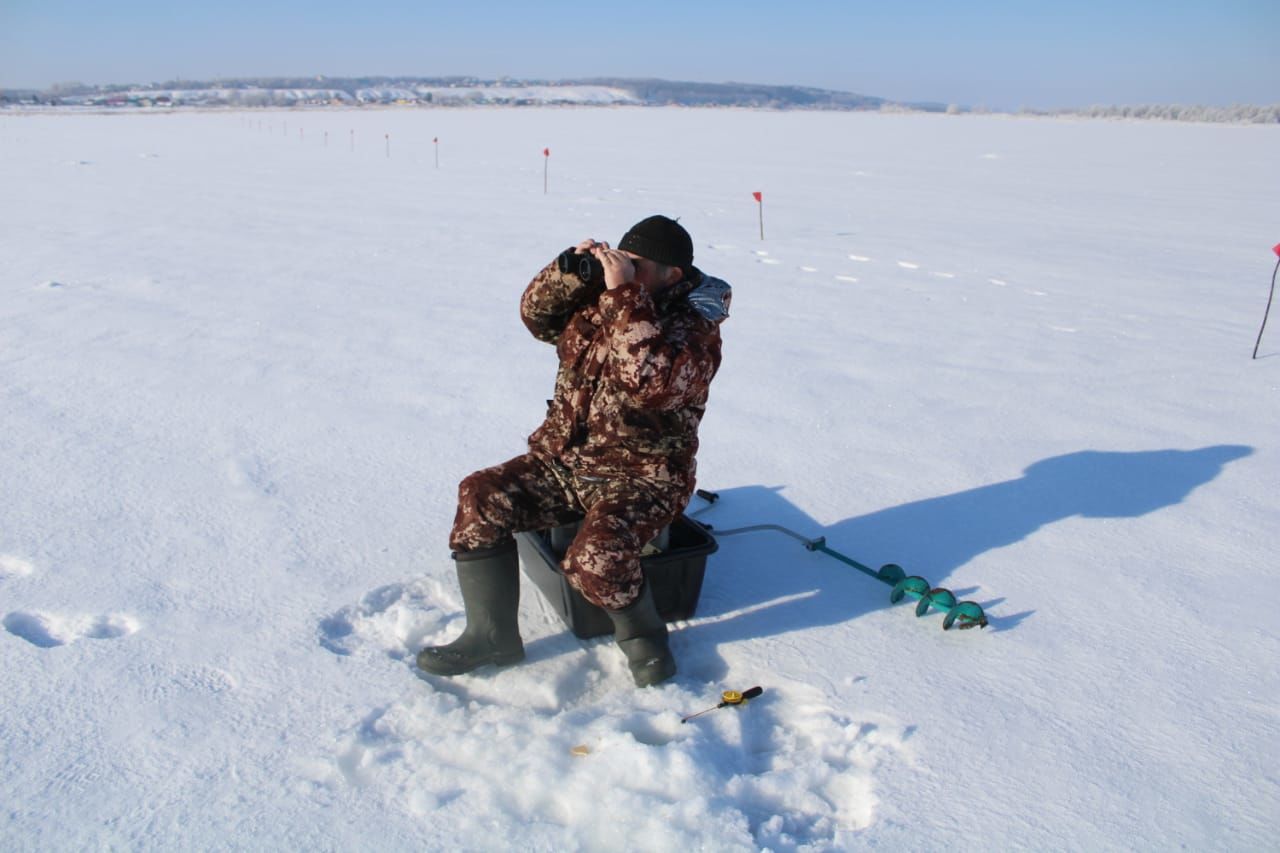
293 91
1240 113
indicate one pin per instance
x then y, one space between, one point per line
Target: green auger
959 614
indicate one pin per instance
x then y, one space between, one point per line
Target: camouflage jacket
633 377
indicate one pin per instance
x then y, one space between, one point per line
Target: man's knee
603 563
610 592
474 487
483 516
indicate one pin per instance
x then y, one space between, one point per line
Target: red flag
546 152
1276 248
435 139
758 197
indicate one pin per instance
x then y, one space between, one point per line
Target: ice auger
959 614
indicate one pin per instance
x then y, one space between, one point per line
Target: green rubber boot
490 584
642 635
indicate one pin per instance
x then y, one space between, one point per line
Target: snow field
241 373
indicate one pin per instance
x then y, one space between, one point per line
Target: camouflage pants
619 515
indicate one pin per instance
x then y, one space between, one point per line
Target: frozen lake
245 357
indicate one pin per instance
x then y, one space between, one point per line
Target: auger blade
965 615
914 586
943 599
891 573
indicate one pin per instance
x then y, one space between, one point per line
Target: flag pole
1258 342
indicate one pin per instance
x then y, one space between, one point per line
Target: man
637 354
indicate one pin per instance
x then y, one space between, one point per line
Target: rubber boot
642 635
490 584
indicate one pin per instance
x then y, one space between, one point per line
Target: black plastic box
675 574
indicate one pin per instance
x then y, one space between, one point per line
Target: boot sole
438 666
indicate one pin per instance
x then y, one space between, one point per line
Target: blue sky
997 54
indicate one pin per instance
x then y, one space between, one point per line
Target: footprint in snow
15 567
396 620
250 475
48 630
799 773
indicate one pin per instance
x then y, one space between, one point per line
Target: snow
243 366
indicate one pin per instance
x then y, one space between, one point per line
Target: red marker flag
546 152
1276 249
758 197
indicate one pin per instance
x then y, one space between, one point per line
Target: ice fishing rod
727 698
959 614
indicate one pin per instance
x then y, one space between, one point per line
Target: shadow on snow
763 584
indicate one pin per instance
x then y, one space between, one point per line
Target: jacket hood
710 297
707 295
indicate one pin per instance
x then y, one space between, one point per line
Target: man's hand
618 268
587 245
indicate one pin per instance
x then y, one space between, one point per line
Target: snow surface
243 366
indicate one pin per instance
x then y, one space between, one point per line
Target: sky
994 53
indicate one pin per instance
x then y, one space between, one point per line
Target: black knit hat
660 239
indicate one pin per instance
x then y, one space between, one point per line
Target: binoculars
586 267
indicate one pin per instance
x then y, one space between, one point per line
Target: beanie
660 239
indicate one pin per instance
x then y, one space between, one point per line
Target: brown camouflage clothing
619 439
531 493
